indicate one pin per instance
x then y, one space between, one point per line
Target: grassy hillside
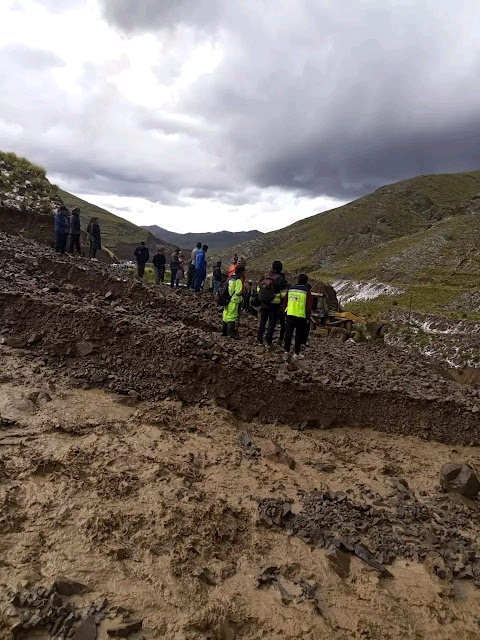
216 241
118 235
422 233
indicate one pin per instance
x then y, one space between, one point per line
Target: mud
155 506
155 509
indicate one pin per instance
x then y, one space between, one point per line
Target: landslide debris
101 329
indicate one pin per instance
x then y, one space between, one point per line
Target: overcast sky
201 115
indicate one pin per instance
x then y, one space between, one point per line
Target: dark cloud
330 98
30 58
145 15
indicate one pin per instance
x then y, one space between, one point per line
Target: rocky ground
195 487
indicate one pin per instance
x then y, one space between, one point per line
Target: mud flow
160 481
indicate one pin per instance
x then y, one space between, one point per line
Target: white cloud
237 115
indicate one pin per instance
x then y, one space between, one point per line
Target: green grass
22 164
430 299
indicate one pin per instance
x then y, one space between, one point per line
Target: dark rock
459 478
67 587
85 348
14 343
205 576
124 630
266 576
275 453
274 512
339 561
364 554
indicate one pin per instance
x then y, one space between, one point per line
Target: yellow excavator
324 319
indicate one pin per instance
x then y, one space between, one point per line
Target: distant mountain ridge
216 241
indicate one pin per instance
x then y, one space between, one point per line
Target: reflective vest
297 302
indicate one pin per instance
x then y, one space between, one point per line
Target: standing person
95 238
230 312
200 268
217 277
298 308
181 270
142 255
174 266
236 260
249 291
271 293
75 231
62 228
159 265
191 265
89 236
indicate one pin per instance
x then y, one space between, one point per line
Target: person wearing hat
75 231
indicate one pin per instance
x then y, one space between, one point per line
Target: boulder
275 453
67 587
459 478
87 630
85 348
339 561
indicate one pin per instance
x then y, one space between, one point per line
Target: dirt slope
166 510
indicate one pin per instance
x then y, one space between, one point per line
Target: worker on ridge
298 308
142 254
191 265
200 268
230 312
270 293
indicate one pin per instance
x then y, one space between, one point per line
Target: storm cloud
273 104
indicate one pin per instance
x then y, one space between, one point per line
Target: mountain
216 241
423 233
118 235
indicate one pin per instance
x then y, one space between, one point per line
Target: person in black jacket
143 256
275 289
75 231
159 265
217 276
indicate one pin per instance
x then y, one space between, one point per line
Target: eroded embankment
107 348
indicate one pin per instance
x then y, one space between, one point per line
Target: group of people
68 224
273 299
196 269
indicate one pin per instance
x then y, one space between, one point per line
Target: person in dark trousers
142 255
75 232
200 268
298 308
174 266
217 277
249 291
95 238
191 265
271 293
159 265
62 229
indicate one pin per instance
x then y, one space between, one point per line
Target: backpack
267 289
223 296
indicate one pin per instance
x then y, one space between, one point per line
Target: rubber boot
231 330
224 329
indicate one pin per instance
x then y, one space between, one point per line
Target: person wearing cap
298 308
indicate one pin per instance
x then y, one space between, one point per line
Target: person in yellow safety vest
298 308
230 312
